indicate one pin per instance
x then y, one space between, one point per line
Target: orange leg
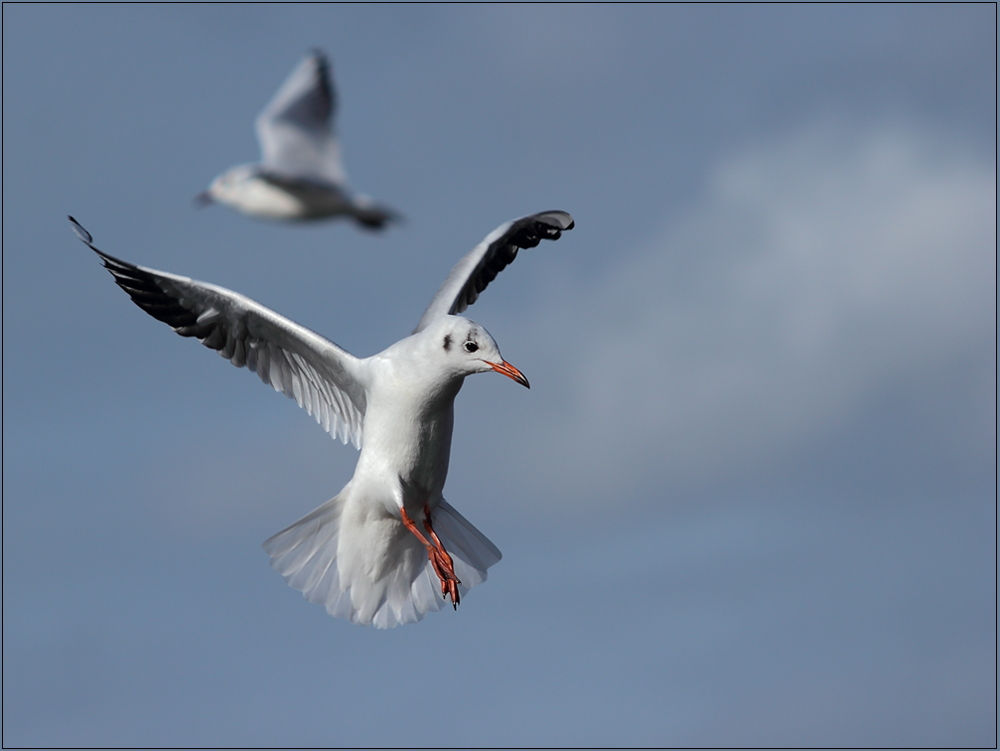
440 558
449 585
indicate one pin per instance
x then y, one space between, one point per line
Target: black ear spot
447 342
471 346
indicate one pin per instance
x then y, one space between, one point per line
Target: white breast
258 197
407 436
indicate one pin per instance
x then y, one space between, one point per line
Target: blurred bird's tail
370 569
371 215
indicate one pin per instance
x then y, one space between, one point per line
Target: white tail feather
372 570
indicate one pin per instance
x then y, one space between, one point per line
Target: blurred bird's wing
325 379
295 129
479 267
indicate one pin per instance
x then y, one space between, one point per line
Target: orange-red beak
510 371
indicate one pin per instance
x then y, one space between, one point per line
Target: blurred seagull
380 550
300 175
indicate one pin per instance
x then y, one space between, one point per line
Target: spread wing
295 129
479 267
323 378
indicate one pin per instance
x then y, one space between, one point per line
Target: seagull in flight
300 176
387 549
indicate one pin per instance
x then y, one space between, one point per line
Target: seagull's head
225 186
466 348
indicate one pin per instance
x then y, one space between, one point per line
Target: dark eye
471 346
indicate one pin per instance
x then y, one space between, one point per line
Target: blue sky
750 496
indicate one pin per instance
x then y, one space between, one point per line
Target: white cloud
812 273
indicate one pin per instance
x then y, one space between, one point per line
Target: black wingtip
112 264
80 231
318 53
546 225
324 69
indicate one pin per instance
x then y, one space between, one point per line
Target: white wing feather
324 379
295 129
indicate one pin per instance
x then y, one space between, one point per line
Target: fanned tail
472 552
371 570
